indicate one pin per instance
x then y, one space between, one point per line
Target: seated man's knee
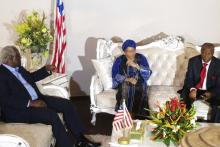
53 117
69 106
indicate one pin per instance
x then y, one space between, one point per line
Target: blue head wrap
128 43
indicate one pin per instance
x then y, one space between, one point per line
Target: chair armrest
55 90
202 109
96 87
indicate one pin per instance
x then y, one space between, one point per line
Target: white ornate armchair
168 59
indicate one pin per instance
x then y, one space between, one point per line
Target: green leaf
166 141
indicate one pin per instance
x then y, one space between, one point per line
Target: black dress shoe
80 144
93 144
85 142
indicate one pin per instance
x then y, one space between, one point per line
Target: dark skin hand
51 68
206 96
38 104
192 94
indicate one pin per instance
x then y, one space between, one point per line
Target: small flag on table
122 119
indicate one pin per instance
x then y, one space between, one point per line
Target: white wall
197 20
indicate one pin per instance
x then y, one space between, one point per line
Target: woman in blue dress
130 73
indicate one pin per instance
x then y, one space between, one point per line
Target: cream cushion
37 135
103 68
106 99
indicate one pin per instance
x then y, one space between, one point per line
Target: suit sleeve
7 99
39 74
188 83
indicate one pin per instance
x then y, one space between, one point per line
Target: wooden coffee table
147 142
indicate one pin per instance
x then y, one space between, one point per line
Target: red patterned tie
202 76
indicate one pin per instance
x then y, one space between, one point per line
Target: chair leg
93 121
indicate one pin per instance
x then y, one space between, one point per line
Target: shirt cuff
191 89
49 72
29 102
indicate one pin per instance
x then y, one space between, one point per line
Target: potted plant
34 37
172 121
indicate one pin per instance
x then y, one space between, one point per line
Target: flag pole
123 104
52 27
124 140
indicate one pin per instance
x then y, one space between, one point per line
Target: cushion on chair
106 99
37 135
104 70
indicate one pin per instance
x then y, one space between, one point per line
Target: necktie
202 76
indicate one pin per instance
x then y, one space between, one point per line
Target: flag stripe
122 119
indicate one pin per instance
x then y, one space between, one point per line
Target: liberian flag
58 57
122 119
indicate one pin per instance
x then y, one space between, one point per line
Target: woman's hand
131 80
132 64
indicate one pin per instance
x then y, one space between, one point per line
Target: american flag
122 119
58 58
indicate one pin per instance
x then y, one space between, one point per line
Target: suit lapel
11 74
13 77
199 67
21 71
210 73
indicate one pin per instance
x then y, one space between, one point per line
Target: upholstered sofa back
168 59
168 64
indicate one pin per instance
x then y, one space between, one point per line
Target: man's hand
132 81
192 94
207 95
51 68
38 103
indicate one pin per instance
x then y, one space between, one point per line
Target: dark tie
202 76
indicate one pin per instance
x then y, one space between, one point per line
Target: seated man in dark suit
203 80
22 102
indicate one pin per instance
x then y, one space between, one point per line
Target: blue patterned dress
135 95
